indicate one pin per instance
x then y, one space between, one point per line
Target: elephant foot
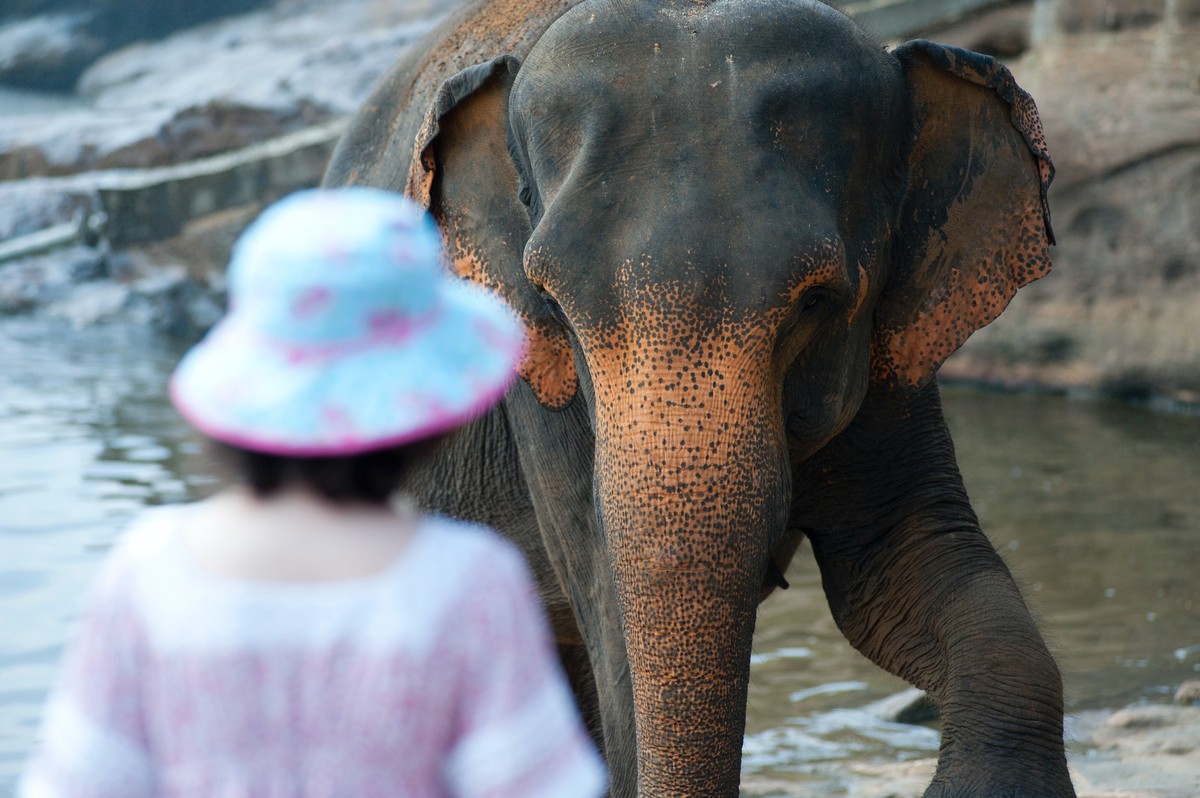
1010 785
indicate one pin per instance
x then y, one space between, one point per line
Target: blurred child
304 635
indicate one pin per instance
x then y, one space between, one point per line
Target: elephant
742 236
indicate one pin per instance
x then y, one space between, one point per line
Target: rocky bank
1117 82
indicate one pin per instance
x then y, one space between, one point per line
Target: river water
1095 506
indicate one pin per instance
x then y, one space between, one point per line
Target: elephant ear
974 225
462 172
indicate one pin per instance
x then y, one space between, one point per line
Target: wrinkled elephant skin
742 237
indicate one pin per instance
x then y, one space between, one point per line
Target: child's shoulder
139 552
150 535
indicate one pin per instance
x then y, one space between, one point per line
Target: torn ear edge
974 226
986 71
477 216
423 167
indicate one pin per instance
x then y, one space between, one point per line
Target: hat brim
258 394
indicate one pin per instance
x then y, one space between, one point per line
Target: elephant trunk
692 487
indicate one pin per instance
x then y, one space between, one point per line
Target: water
1096 507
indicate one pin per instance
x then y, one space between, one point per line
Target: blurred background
139 137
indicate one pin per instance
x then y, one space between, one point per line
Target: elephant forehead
644 36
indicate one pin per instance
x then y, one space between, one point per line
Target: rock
175 303
1003 32
909 706
92 303
32 283
1074 16
247 79
892 779
1147 717
28 207
123 21
48 45
48 53
208 129
1188 693
1140 732
1187 12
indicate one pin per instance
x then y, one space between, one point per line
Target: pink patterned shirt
434 678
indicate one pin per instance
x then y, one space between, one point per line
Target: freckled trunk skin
691 482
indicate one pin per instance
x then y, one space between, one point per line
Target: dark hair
367 478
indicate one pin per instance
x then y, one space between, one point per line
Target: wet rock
242 79
32 283
1188 693
168 299
909 706
48 53
1147 717
175 303
1142 732
122 21
36 205
208 129
92 303
892 780
48 45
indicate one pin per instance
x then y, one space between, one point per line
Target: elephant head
723 224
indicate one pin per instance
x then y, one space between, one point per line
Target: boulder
217 87
1188 693
47 44
48 53
1074 16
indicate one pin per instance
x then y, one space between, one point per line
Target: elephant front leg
916 586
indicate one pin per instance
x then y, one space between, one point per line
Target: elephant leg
915 585
578 666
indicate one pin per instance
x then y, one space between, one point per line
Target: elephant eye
552 305
808 311
814 298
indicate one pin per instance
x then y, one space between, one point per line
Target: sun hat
345 333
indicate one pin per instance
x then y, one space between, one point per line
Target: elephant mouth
773 576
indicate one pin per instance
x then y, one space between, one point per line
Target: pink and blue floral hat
345 333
